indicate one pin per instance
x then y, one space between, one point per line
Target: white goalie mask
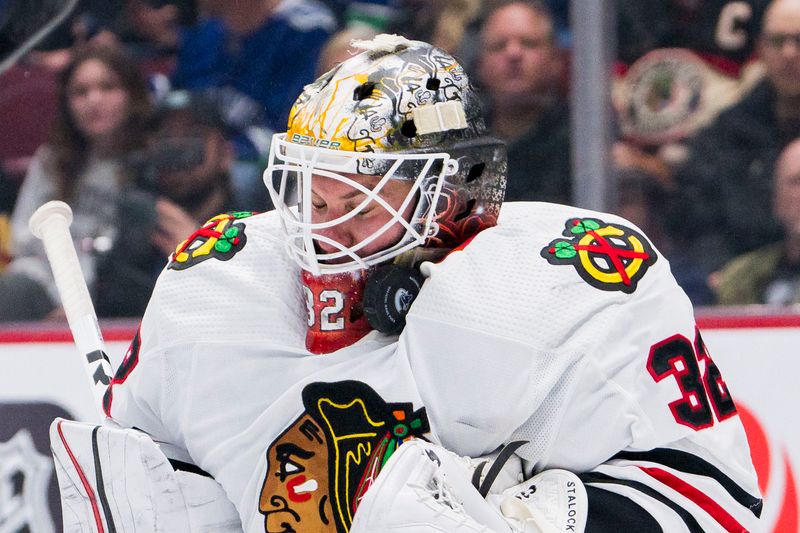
397 128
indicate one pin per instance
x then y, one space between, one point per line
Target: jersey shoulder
545 268
507 325
569 244
231 280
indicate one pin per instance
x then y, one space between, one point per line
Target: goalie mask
385 158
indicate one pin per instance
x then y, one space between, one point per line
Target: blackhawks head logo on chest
322 465
611 257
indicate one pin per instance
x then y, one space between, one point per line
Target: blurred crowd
151 116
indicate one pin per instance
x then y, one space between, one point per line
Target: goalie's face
346 211
348 216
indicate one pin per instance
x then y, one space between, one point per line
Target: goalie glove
118 479
424 488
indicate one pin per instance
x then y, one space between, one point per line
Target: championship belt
670 93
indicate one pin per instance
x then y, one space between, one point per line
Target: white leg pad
120 478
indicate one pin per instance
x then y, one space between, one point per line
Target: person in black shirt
722 207
771 273
520 70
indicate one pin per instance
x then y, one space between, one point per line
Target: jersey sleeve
566 329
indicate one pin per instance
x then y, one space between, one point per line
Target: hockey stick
50 223
34 39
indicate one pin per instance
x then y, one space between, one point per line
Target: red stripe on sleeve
697 496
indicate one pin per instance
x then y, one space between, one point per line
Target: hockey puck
388 294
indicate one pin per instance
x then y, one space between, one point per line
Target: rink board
41 377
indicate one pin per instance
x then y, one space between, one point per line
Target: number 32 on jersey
330 310
704 393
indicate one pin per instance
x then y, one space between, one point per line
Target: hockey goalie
393 349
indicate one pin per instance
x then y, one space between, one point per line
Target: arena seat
27 106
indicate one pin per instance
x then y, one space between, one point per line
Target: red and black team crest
610 257
320 467
221 237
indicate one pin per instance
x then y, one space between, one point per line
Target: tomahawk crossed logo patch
610 257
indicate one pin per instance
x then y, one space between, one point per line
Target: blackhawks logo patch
321 466
221 237
610 257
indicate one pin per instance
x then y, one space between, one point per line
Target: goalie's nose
340 233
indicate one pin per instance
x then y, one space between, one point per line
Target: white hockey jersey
560 327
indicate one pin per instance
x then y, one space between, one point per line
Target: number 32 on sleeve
704 393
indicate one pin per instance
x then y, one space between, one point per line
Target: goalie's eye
317 202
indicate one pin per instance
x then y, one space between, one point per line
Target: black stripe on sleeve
691 464
688 519
610 512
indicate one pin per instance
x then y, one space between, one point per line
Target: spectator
183 179
149 29
722 206
663 99
243 51
520 68
90 21
680 63
771 274
443 23
339 47
722 33
559 12
103 107
376 15
254 56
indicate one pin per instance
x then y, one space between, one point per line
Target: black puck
388 294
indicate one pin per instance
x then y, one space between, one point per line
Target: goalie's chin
334 256
337 261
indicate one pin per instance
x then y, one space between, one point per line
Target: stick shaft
51 224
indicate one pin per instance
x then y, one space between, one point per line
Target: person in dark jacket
771 273
181 180
723 204
520 70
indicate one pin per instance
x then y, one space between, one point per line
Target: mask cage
289 179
